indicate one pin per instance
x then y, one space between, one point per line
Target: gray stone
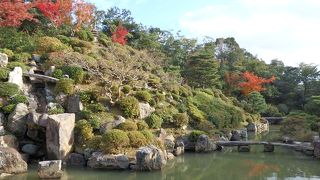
235 136
99 160
75 159
145 110
9 141
3 60
188 145
60 135
33 102
243 133
316 152
244 148
74 104
150 158
15 77
119 120
2 118
11 161
251 127
17 120
2 131
179 148
33 118
63 100
268 148
205 144
50 169
30 149
169 145
43 119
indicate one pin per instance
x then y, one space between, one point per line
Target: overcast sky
288 30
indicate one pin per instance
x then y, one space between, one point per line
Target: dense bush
296 127
12 65
143 96
256 103
21 57
85 34
154 121
4 73
75 72
272 111
205 126
83 132
148 135
8 108
137 139
96 107
8 52
313 106
194 135
65 85
95 142
48 44
58 73
160 97
142 125
195 113
114 141
18 41
126 89
19 99
130 107
180 120
8 89
87 97
128 126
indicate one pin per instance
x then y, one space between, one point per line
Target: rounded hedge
148 135
144 96
83 132
75 72
142 125
154 121
130 107
8 89
128 126
48 44
114 141
137 139
4 73
19 99
58 73
65 86
180 120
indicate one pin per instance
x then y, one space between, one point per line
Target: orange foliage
84 13
258 169
119 35
13 12
232 80
253 83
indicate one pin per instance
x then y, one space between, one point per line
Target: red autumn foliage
50 10
253 83
232 81
119 35
84 13
13 12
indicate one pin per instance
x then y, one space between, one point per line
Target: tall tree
253 83
84 14
308 73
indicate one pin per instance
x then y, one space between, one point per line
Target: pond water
227 165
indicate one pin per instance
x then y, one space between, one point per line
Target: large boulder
9 141
60 135
150 158
99 160
74 104
3 60
205 144
11 161
16 77
75 159
17 120
145 110
50 169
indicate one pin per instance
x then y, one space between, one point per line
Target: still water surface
227 165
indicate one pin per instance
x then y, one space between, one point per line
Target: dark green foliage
12 65
4 73
180 120
85 34
11 38
8 52
296 127
194 135
126 89
95 142
137 139
272 111
154 121
65 85
143 96
8 89
256 103
21 57
313 106
130 107
8 108
75 72
128 126
58 73
195 113
88 96
148 135
96 107
142 125
205 126
114 141
19 99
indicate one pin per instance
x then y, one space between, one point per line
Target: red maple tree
253 83
50 10
13 12
119 35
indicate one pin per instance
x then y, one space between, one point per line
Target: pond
226 165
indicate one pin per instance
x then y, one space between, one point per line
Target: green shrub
85 34
154 121
185 91
143 96
12 65
8 52
180 120
96 107
9 108
313 106
16 40
194 135
195 113
19 99
256 103
205 126
154 81
137 139
130 107
75 72
95 142
160 97
21 57
272 111
58 73
126 89
148 135
64 39
296 127
114 141
56 110
48 44
88 96
83 132
8 89
128 126
142 125
4 74
65 86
